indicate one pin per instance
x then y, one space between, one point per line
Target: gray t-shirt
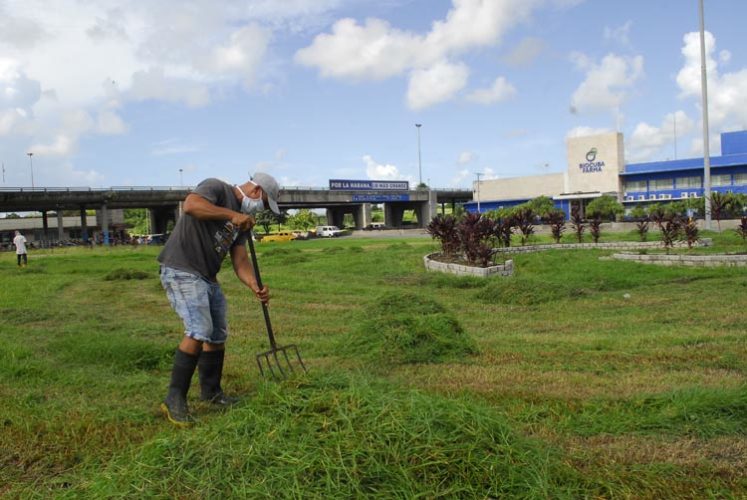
199 246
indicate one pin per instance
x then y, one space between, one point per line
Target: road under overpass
163 203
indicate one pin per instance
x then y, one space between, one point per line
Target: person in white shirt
20 243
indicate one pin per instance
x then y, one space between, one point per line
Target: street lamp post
706 152
420 166
181 179
478 174
31 164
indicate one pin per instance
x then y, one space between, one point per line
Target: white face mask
250 206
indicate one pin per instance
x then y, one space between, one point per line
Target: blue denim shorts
199 303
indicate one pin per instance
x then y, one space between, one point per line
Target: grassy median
578 377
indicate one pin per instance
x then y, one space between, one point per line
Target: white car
328 231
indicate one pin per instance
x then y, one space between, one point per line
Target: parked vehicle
281 236
375 226
301 235
328 231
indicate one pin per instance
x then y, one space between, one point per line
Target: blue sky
116 93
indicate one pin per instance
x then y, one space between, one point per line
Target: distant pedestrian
20 243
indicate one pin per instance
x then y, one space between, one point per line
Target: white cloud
375 50
62 145
525 52
109 122
68 175
466 157
727 92
54 57
620 35
436 84
499 91
606 85
584 131
154 84
647 140
384 172
488 174
240 56
461 178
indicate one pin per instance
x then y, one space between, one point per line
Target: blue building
596 167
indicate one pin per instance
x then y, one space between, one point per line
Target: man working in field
217 219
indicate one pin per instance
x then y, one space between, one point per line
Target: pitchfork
270 359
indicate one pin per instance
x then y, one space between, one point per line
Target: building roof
734 160
733 149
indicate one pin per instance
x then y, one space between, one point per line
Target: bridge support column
335 216
105 223
45 226
60 228
363 218
83 224
393 213
160 217
427 210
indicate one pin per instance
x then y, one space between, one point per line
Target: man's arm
245 272
200 208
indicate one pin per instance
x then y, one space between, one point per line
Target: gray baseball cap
270 186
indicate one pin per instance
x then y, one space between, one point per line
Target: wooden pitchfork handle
259 284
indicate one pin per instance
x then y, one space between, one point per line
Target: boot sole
165 410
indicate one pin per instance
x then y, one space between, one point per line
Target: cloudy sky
164 92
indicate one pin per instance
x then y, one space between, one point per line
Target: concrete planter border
616 245
505 269
685 260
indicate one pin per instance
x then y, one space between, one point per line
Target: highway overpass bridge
163 203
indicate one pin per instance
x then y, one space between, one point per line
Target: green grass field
576 377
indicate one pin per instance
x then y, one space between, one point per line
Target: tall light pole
181 179
31 164
706 149
478 174
420 166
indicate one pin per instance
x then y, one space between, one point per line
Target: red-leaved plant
742 228
595 228
524 220
690 228
503 230
474 232
577 222
556 220
443 229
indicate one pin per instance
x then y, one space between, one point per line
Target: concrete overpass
163 202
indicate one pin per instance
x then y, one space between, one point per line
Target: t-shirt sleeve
211 190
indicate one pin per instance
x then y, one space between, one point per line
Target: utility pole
31 164
706 149
478 174
420 165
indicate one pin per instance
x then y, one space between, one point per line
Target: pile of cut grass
403 327
337 436
127 274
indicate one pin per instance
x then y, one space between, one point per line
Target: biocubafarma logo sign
591 164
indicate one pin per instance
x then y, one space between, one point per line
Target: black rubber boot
175 405
210 369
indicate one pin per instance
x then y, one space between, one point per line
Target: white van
328 231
